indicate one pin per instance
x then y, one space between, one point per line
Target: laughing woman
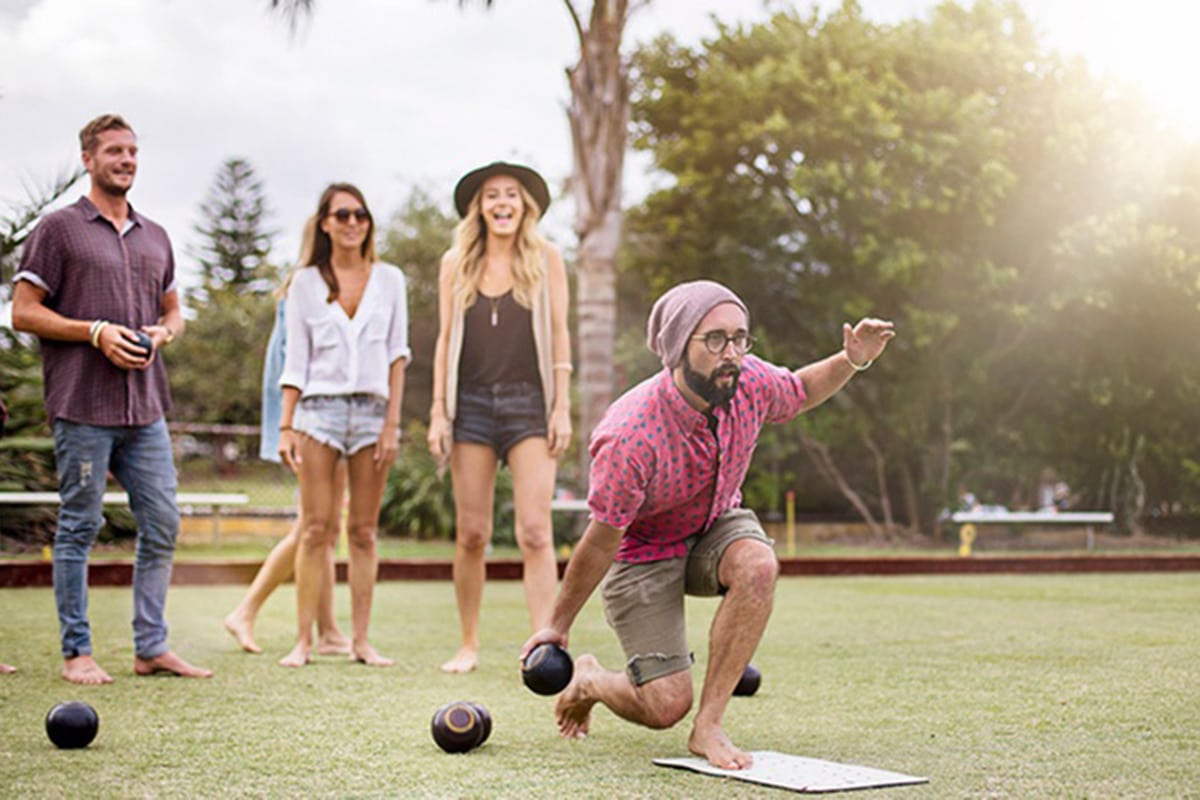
501 376
343 381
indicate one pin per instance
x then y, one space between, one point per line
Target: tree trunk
599 117
824 462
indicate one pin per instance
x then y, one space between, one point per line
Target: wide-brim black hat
469 184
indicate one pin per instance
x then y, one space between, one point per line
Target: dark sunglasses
343 214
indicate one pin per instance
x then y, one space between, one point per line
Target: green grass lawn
1072 686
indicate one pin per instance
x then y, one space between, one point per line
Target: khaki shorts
644 602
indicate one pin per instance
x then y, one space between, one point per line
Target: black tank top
498 344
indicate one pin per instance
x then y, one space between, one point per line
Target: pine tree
236 247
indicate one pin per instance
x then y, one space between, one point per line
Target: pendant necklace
494 302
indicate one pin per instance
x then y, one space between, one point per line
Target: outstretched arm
861 345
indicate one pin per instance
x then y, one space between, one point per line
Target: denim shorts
345 422
499 415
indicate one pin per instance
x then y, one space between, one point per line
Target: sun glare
1151 43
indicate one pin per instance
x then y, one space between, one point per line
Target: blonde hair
305 257
470 246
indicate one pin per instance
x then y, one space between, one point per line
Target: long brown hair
318 248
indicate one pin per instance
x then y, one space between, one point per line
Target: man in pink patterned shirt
668 461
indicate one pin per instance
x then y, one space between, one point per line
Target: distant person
280 563
94 277
501 383
967 501
343 383
668 461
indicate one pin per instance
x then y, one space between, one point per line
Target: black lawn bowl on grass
461 726
749 682
72 725
547 669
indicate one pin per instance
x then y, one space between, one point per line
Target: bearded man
668 461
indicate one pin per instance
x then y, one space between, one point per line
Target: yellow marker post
966 537
791 524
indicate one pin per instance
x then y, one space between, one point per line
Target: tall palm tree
599 117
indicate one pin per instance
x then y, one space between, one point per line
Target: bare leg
473 473
170 663
366 491
7 669
277 568
749 569
84 670
657 704
317 511
533 472
330 639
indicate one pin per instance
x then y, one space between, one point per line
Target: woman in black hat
501 374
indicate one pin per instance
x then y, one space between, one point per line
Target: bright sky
392 93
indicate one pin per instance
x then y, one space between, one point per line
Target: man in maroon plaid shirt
97 286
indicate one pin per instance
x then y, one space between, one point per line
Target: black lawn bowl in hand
458 727
751 680
72 725
547 669
144 342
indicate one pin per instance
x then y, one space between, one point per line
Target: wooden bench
969 519
185 500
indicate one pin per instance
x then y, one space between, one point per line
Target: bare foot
573 709
84 670
299 656
365 654
242 630
7 669
711 742
333 643
465 660
169 662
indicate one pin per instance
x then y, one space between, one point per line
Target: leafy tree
236 247
414 240
932 172
212 380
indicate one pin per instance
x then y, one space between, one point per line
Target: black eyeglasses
717 341
344 214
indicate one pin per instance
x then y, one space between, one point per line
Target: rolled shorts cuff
642 669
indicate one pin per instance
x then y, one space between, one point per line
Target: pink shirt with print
662 475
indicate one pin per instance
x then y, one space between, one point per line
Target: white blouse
330 353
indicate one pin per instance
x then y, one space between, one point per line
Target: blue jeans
140 458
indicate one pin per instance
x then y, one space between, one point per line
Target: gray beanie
677 313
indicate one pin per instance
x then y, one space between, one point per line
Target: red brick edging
15 573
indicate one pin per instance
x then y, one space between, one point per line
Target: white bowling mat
799 774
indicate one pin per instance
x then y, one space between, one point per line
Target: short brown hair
89 137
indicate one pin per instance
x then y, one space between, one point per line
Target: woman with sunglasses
343 381
501 375
280 563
